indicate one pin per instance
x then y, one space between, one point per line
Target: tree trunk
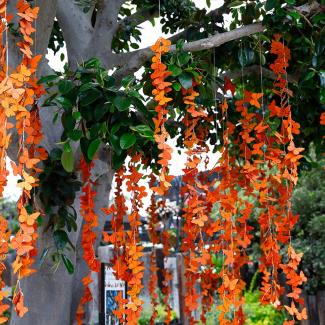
52 296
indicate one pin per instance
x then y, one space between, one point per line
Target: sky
150 35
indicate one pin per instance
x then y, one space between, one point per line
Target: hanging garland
88 236
19 91
267 171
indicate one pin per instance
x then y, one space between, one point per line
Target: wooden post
181 288
320 297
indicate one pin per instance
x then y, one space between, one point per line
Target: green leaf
65 86
127 81
246 56
175 70
92 149
294 14
270 4
67 263
183 58
75 135
43 257
67 147
118 160
67 161
76 115
84 144
101 109
177 86
64 102
122 103
47 79
89 96
186 80
127 140
134 46
115 128
144 130
68 121
92 63
60 239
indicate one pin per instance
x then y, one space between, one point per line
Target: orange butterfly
18 301
254 99
27 183
229 284
29 219
28 162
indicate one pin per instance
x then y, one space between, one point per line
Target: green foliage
94 111
8 210
57 192
309 202
258 314
161 311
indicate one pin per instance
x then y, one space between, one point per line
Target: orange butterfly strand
231 287
25 92
118 211
194 211
4 143
133 246
88 235
290 162
153 224
162 88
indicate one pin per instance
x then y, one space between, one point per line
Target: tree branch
76 28
130 62
256 69
106 26
139 17
310 8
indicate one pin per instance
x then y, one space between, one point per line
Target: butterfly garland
4 144
229 235
19 92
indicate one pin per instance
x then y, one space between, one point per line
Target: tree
108 31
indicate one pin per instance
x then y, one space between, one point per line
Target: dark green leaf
270 4
177 86
122 103
67 263
67 161
186 80
175 70
127 140
47 79
65 86
43 257
144 130
89 96
60 239
92 149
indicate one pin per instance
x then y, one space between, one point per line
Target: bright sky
150 34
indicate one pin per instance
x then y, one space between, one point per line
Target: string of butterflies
268 174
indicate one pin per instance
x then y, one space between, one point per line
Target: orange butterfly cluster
4 248
153 224
126 262
18 94
162 88
194 212
133 247
118 239
88 235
